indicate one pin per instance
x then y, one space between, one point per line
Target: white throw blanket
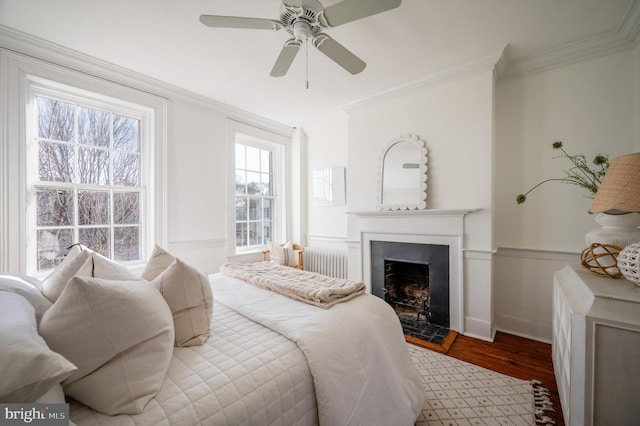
309 287
362 371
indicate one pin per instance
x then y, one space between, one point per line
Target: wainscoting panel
523 290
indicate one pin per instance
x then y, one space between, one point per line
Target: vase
615 229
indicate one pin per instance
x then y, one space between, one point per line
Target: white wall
590 107
455 120
327 147
196 184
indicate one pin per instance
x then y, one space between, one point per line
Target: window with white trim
86 158
259 182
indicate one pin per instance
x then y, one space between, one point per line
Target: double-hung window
259 190
255 196
86 180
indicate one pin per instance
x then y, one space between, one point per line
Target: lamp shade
619 191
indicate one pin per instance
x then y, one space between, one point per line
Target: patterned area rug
459 393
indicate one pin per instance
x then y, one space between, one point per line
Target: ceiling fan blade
314 5
339 54
292 3
240 22
286 57
352 10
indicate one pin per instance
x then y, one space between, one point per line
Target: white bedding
359 361
347 365
244 374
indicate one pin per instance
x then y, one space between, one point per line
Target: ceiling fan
306 20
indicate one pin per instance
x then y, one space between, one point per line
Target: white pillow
108 269
55 395
158 262
84 262
187 291
29 368
119 334
29 288
283 255
74 262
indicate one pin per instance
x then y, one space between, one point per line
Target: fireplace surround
426 227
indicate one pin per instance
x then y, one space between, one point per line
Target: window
85 161
259 193
255 197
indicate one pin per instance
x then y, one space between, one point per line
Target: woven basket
629 263
601 259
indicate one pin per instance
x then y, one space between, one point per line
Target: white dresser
596 348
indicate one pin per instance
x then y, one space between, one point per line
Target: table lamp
617 203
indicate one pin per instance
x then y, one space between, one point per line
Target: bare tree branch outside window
89 189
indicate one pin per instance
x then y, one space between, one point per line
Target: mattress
245 374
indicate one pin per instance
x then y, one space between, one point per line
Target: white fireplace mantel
425 212
431 226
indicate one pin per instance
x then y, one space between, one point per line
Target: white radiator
325 261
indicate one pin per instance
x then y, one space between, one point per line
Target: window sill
245 257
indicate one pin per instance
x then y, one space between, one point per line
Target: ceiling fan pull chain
307 63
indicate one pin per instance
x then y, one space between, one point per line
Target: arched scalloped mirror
403 174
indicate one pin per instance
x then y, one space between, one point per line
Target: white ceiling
164 39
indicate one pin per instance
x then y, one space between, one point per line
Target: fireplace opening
406 288
414 280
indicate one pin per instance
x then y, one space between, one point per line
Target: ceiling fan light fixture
301 30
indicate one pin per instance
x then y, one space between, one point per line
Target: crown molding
44 50
625 36
487 61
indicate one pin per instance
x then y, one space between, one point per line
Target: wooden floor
514 356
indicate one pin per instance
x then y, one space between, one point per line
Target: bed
272 360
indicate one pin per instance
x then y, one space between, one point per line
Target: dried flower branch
579 174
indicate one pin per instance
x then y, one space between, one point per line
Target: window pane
55 119
97 239
241 234
255 212
266 184
255 234
126 169
126 133
241 182
266 233
240 157
253 159
126 208
55 207
126 243
93 208
253 183
93 127
266 209
266 161
56 162
241 209
52 247
93 166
